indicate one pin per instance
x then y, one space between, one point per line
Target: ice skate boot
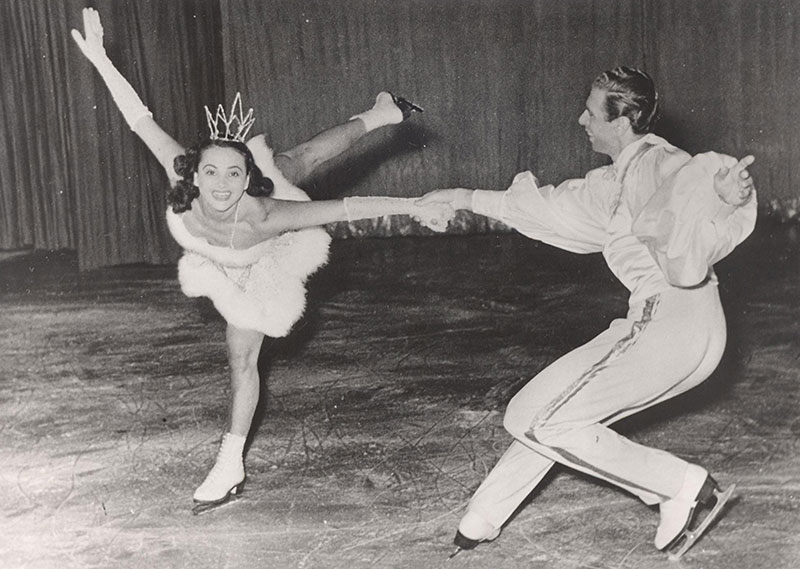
226 477
680 526
406 106
473 525
388 109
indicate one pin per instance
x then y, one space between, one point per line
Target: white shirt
653 214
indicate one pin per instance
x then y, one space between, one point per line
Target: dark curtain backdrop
502 83
72 175
731 76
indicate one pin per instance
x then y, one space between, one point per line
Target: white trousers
666 345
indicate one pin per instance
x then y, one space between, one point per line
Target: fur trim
261 288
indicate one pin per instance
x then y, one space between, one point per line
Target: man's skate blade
691 537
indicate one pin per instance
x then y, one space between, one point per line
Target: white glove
128 102
434 216
367 207
383 113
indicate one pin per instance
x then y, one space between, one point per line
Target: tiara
236 124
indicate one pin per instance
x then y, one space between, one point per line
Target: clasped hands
434 215
438 207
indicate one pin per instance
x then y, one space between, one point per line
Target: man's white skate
473 524
689 536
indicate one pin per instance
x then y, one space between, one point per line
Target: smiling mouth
221 196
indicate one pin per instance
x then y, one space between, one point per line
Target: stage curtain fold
502 84
72 174
731 71
36 197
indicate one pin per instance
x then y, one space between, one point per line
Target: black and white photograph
400 284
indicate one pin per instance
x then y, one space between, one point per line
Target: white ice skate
473 525
388 109
681 525
226 478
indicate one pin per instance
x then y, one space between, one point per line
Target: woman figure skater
661 219
250 237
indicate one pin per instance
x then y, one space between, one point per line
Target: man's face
603 134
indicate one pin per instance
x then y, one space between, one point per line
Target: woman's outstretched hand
92 44
734 185
435 215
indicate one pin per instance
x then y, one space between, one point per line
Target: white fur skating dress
263 287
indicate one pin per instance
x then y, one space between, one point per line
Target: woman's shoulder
193 236
188 229
264 157
258 208
281 169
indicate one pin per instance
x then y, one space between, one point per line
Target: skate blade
456 552
690 536
414 106
205 507
406 104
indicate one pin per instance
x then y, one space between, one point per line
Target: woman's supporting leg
243 349
228 474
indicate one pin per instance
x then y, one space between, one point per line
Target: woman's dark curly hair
181 196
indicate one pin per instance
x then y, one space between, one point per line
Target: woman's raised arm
136 114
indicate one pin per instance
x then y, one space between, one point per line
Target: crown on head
230 126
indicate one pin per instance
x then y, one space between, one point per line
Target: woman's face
222 177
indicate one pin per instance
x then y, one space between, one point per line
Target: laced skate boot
226 477
680 525
473 525
388 109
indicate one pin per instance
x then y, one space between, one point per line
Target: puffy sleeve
687 227
569 216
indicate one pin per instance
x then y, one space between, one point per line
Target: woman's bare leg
243 349
228 474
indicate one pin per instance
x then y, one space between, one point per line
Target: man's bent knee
518 417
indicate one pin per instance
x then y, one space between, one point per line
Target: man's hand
435 215
457 198
734 185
